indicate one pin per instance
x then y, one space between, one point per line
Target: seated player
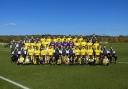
20 60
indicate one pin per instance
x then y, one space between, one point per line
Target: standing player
63 54
77 54
93 39
50 54
30 52
71 43
36 59
56 55
43 55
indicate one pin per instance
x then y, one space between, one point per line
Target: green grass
114 76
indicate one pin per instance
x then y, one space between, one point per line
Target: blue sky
64 17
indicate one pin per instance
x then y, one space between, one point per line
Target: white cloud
10 24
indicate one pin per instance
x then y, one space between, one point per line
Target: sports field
114 76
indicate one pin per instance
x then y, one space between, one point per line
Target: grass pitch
114 76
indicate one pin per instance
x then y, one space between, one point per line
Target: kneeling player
105 61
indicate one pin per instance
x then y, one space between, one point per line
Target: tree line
110 39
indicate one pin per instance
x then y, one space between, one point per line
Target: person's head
77 47
83 47
58 40
93 35
71 40
104 47
52 40
13 40
30 47
111 47
64 40
86 47
50 47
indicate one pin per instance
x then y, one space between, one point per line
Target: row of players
63 55
54 41
62 38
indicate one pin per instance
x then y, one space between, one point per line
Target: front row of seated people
93 54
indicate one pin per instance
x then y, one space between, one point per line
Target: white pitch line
14 83
123 62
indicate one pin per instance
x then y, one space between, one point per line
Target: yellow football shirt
96 45
43 52
90 52
37 52
38 44
97 52
30 52
77 44
42 40
83 43
27 45
77 52
50 51
89 45
82 51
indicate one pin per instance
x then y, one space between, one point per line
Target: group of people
61 50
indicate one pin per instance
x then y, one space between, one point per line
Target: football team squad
61 50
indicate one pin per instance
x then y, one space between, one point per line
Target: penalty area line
14 83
